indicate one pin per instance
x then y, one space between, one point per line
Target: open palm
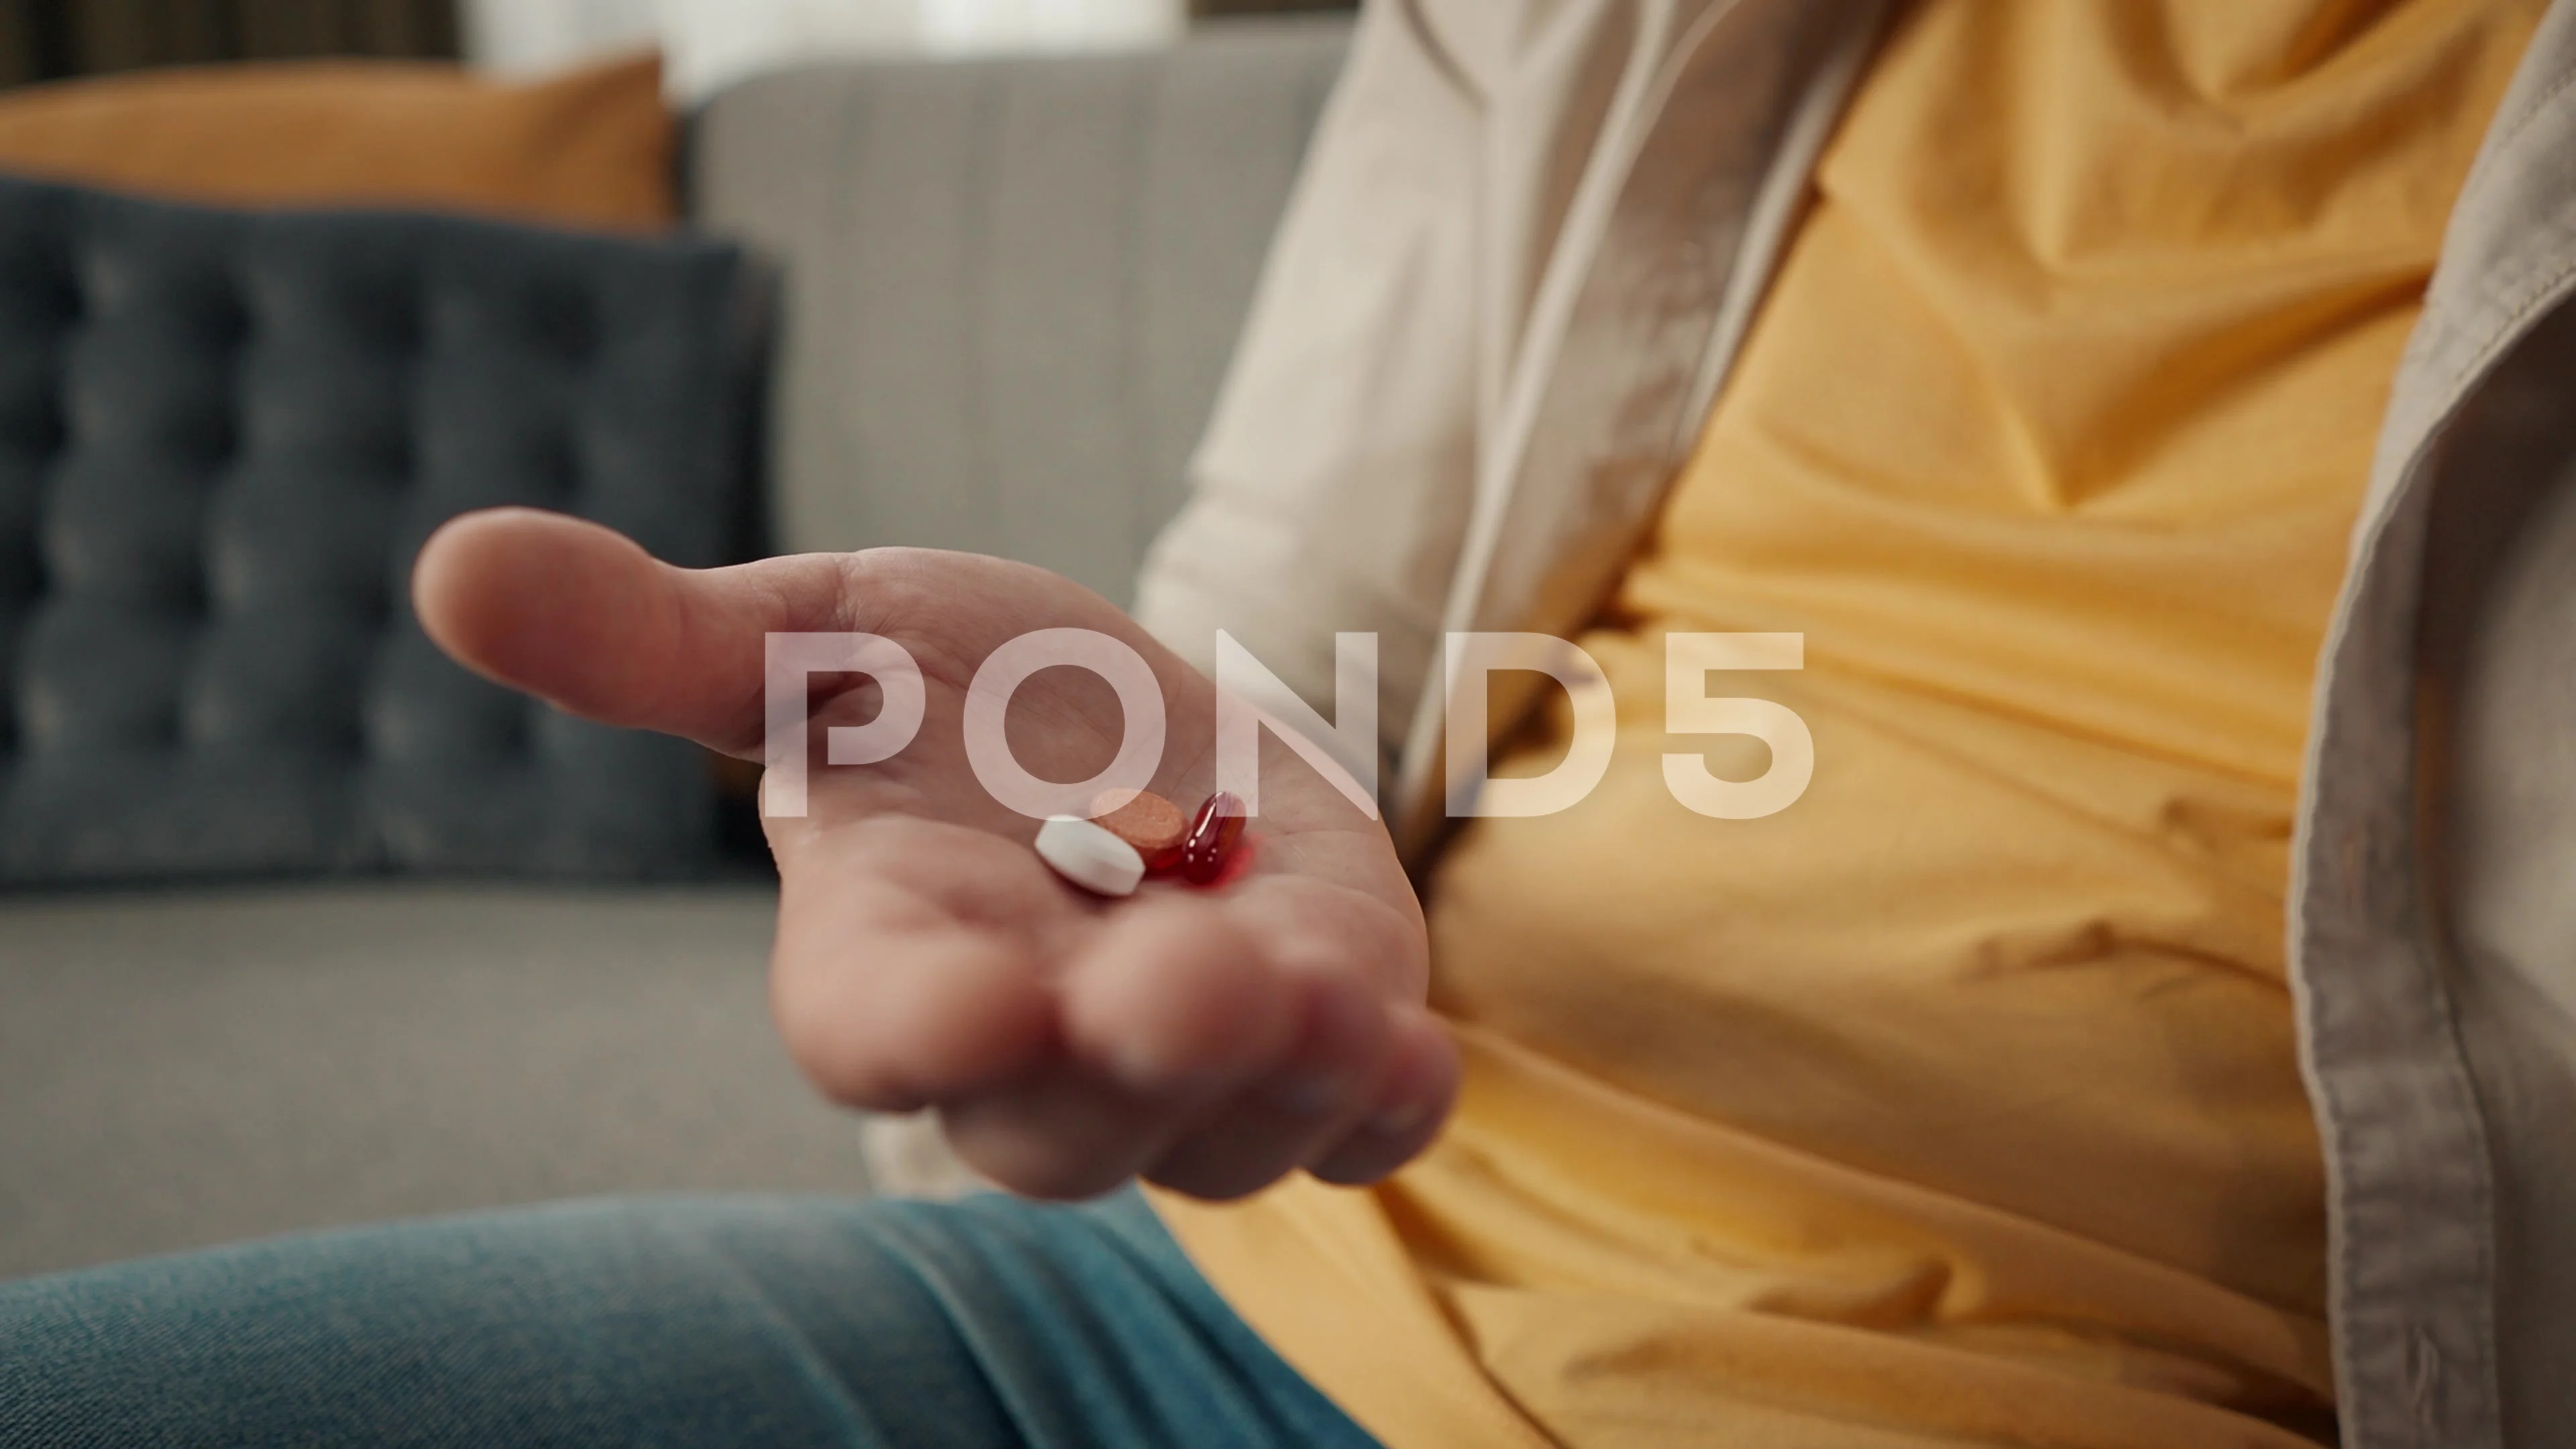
1209 1040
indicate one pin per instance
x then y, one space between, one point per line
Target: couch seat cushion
185 1068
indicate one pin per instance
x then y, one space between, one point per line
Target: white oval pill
1089 856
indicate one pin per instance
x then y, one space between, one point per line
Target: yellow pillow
590 147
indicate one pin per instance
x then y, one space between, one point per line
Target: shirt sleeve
1332 489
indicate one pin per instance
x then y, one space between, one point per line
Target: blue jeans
786 1321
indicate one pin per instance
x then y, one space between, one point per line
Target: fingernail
1310 1094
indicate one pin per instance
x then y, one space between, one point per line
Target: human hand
1210 1041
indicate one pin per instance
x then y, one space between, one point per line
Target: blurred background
704 42
300 923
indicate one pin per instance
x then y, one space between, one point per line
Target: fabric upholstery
189 1067
223 437
1013 284
591 147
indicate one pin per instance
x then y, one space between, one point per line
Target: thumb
582 617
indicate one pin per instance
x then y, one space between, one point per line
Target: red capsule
1214 832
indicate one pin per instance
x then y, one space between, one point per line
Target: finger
1311 923
1164 1008
1173 999
1291 1116
1412 1104
582 617
1065 1133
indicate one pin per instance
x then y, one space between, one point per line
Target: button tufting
22 481
31 402
223 436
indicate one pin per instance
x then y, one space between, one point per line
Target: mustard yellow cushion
590 147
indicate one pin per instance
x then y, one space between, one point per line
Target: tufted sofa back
223 437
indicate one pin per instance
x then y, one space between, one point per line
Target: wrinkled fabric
2048 440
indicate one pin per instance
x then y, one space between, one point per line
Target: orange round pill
1145 820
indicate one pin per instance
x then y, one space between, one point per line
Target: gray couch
1006 294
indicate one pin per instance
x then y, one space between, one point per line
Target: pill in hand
1090 856
1145 820
1213 834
